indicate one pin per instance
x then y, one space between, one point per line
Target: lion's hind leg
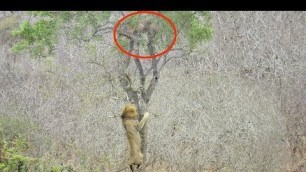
134 168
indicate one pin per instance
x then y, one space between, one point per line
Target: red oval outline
145 12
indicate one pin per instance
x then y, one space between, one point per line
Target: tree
141 35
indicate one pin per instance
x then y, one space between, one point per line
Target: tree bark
141 96
142 108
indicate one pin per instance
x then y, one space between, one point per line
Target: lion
132 127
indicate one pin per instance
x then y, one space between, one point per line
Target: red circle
145 12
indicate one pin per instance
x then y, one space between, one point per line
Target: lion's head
129 112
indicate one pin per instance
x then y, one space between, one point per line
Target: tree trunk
144 136
141 96
142 108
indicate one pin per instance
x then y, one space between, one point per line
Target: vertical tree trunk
144 136
142 108
141 96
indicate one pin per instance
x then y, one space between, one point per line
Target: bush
12 157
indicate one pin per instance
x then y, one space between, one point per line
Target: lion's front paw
146 115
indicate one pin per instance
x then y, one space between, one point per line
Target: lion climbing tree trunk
138 92
140 97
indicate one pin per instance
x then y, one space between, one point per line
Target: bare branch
126 34
165 61
154 81
149 70
139 67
